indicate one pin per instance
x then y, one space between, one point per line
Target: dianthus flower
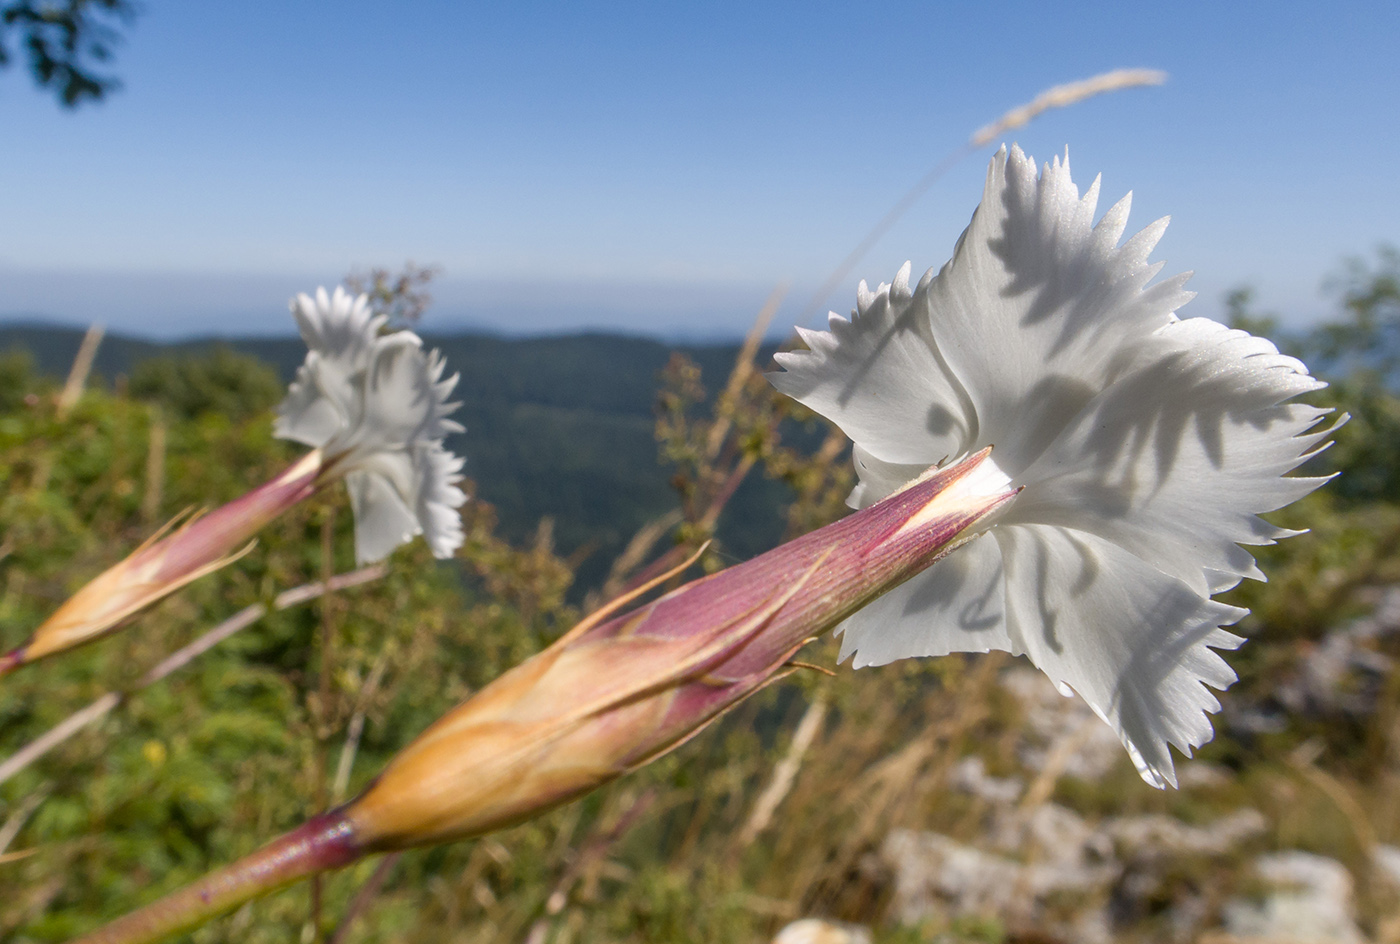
1144 446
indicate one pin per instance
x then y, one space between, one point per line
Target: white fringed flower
1145 446
376 406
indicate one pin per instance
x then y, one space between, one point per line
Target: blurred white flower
376 406
1145 446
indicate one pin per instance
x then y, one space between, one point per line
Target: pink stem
12 660
323 843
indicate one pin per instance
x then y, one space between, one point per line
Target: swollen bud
165 564
603 701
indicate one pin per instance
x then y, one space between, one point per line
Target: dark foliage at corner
67 43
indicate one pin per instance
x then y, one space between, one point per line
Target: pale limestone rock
818 931
1387 862
1309 902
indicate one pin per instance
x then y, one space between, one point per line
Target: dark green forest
557 427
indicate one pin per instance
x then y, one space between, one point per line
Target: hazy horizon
658 169
178 306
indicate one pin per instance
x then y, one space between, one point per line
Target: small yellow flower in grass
374 407
1146 446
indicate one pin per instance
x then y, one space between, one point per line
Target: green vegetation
556 427
246 740
222 381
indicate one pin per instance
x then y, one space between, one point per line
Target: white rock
1051 719
970 775
1309 903
938 875
1387 862
817 931
1161 834
1199 774
1052 835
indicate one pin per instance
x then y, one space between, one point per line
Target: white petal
306 415
439 471
957 605
400 494
402 399
339 327
383 520
879 478
879 378
1006 345
1037 302
1174 459
1132 641
1135 643
326 397
374 389
399 400
1146 446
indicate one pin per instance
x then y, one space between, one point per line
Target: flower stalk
320 844
613 694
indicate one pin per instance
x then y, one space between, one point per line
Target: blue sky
658 167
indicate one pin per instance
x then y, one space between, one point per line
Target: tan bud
616 695
166 563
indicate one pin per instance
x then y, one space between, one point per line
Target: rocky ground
1036 870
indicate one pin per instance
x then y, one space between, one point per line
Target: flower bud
618 694
162 566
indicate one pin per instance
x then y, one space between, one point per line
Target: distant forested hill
556 426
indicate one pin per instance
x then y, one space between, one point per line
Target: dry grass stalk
356 729
1058 96
78 373
637 550
18 817
1302 760
785 772
364 896
1057 760
1062 96
587 860
887 779
743 370
155 468
718 455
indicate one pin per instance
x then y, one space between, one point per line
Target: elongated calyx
615 696
163 565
